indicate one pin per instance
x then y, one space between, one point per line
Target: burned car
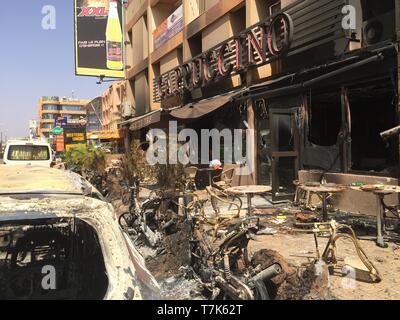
59 239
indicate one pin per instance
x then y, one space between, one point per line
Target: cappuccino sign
257 45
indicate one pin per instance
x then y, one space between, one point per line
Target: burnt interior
372 110
31 252
325 118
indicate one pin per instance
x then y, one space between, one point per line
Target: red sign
60 146
93 12
255 46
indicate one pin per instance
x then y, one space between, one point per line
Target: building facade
317 80
94 111
50 108
105 113
112 101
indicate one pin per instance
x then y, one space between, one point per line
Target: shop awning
263 90
143 120
203 107
106 134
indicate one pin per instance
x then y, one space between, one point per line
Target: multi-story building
94 113
318 80
112 101
104 114
50 108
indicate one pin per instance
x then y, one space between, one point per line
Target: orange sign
60 147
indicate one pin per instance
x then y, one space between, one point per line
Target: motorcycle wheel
125 220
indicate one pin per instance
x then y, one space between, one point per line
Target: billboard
99 38
170 27
61 122
60 144
74 136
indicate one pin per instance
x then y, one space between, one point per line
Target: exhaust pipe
268 273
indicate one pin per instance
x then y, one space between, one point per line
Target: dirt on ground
299 249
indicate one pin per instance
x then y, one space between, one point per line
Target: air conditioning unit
127 110
378 29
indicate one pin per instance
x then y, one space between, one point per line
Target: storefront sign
57 131
106 134
300 28
74 135
60 146
167 29
99 38
61 122
255 46
69 147
82 122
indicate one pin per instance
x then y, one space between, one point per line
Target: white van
28 152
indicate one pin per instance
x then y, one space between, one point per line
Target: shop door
285 144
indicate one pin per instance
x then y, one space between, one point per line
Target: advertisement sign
74 136
170 27
99 38
60 146
57 131
69 147
61 122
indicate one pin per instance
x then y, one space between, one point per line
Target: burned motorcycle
225 269
152 218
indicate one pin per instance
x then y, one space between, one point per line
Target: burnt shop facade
316 94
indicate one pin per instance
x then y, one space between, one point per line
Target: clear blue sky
36 62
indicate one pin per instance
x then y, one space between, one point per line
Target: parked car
59 239
28 152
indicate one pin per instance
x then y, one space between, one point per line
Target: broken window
51 259
325 119
372 111
321 150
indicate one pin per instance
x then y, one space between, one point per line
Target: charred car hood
127 274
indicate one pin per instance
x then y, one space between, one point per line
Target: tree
86 158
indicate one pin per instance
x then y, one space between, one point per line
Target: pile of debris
309 283
173 257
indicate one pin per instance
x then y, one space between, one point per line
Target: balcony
46 120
